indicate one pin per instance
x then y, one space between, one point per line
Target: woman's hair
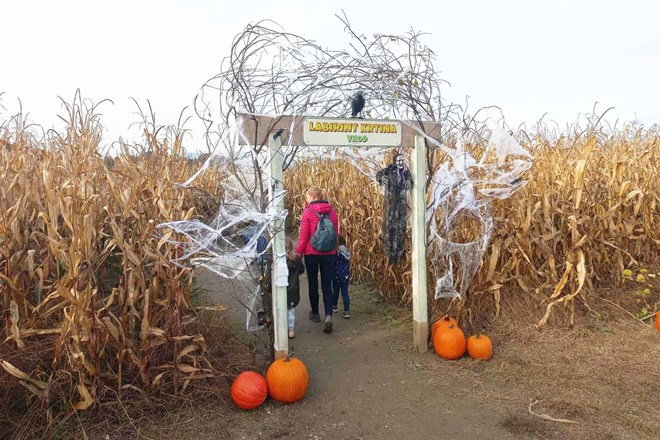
315 192
341 240
288 244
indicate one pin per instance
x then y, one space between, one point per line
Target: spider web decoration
465 186
272 72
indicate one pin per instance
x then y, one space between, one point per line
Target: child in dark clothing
342 276
296 267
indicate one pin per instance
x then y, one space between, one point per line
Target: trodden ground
366 382
597 381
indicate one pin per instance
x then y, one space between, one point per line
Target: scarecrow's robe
398 182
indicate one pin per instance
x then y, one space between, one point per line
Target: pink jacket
308 226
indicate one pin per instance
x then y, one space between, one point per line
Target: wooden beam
257 128
418 207
279 270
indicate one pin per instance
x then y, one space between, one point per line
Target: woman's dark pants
326 265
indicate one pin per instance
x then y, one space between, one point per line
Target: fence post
279 274
420 299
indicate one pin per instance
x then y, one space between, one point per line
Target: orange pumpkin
450 342
657 321
249 390
443 322
480 347
287 380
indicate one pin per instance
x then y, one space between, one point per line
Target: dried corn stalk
82 264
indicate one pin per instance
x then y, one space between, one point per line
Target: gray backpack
325 236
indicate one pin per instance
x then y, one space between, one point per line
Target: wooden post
279 270
420 299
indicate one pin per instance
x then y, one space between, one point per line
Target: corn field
91 302
589 210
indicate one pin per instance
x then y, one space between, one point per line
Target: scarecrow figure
397 181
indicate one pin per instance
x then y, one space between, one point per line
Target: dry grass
602 373
126 416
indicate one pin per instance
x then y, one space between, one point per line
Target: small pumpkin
657 321
441 323
249 390
480 347
287 379
449 343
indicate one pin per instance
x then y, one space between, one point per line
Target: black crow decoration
357 104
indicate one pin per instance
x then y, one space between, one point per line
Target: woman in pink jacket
315 260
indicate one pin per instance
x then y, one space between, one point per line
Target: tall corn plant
81 262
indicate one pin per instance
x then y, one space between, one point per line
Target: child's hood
344 252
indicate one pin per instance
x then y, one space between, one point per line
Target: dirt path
596 381
366 382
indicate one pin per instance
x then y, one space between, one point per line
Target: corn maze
88 288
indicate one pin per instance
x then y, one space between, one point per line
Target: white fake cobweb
236 243
464 187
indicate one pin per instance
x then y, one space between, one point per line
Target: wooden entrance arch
261 130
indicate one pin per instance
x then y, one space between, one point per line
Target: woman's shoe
292 334
327 326
345 314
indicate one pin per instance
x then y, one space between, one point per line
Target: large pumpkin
287 380
441 323
480 347
249 390
657 321
449 343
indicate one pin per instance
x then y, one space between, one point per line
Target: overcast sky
528 57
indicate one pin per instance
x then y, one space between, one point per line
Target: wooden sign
256 128
353 132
